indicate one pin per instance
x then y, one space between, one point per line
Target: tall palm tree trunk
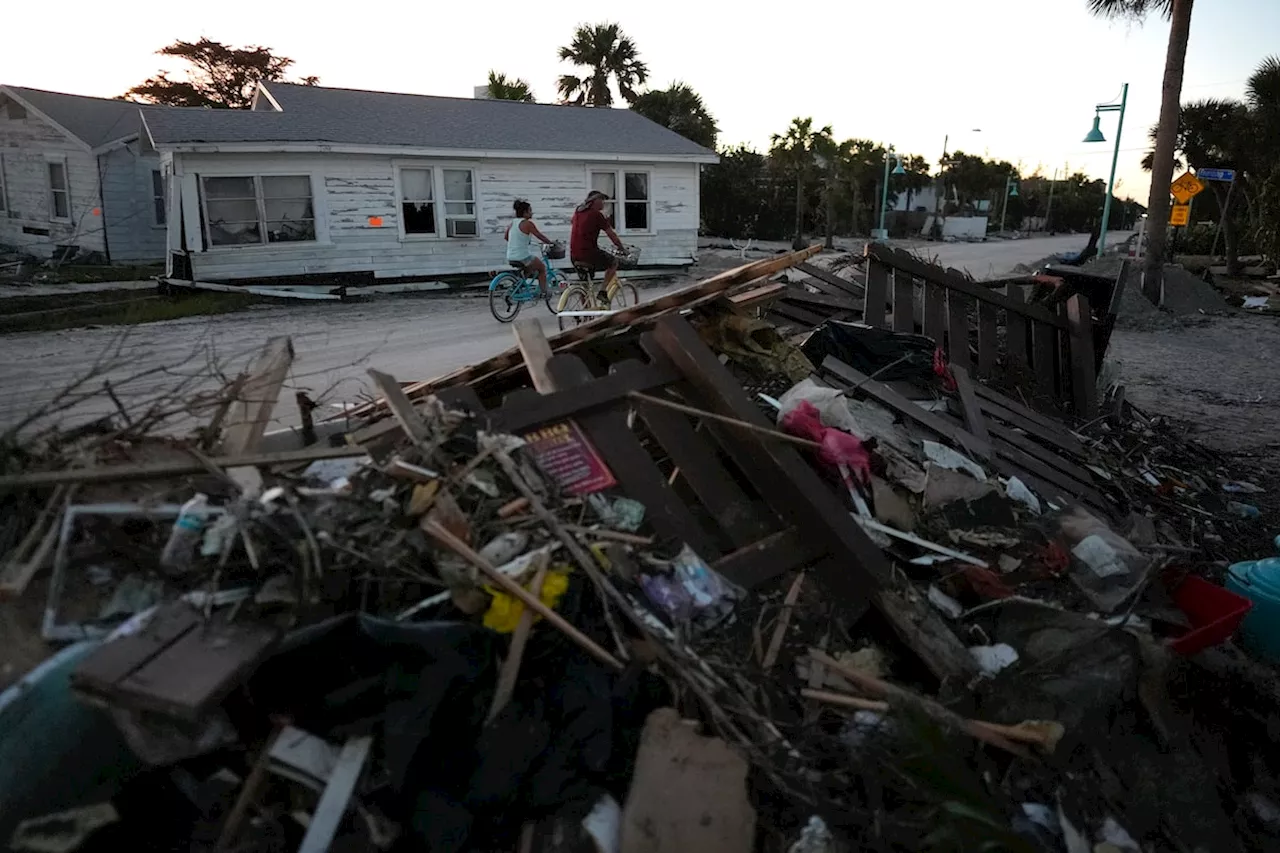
830 199
1166 140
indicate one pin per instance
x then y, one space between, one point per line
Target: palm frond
1135 10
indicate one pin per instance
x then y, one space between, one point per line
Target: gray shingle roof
95 121
354 117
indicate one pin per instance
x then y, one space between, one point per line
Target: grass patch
113 308
94 273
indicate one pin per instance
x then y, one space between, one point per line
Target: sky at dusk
1026 72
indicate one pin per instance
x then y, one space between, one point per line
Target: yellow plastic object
504 611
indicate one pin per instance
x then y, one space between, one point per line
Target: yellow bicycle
584 296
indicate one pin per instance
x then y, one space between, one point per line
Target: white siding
356 188
26 145
132 234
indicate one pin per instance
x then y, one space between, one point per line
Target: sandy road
412 337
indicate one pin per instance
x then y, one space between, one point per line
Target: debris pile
594 594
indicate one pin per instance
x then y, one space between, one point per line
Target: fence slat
958 329
903 318
1018 361
1044 341
1080 347
935 311
987 351
877 293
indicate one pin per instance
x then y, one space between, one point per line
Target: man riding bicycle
585 227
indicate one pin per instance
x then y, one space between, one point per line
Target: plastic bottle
179 551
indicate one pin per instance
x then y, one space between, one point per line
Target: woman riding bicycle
588 221
519 237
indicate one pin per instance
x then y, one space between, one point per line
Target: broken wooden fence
993 333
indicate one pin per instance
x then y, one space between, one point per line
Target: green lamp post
1010 191
1095 135
881 233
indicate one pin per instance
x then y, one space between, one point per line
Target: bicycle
583 296
511 289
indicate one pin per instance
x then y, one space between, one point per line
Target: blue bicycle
510 290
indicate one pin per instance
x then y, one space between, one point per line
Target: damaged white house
321 185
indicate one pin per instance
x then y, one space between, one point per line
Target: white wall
349 190
26 147
132 234
959 226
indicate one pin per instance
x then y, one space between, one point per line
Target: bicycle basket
629 259
555 251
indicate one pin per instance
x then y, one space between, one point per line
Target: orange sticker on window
97 211
375 221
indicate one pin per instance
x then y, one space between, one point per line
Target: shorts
597 260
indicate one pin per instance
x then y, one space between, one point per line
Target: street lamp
1095 135
1010 191
940 188
880 233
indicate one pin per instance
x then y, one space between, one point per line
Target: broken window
59 195
607 183
250 210
636 201
417 201
459 203
158 212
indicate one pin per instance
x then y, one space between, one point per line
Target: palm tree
795 149
679 108
606 52
503 89
1178 12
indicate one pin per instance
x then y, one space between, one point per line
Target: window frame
51 198
437 169
162 198
620 203
319 228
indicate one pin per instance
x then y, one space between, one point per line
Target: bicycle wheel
575 298
502 297
624 296
557 284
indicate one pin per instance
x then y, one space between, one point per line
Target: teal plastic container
1259 581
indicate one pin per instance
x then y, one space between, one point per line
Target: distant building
75 179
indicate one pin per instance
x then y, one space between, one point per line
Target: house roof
94 121
320 115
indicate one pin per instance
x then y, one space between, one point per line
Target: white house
336 185
74 179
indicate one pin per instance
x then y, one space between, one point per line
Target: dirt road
409 337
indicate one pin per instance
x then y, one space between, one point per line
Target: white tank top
518 242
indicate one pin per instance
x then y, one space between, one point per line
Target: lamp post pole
1004 208
1095 135
881 233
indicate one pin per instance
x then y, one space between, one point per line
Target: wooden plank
958 329
953 280
631 464
1048 473
1058 437
518 415
922 629
796 314
1045 342
935 312
757 297
769 557
405 414
701 469
1040 422
988 350
533 346
251 413
112 662
337 795
877 294
799 494
1080 346
884 395
851 287
903 294
198 669
973 420
838 303
1017 352
1044 454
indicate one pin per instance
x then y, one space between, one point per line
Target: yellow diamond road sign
1186 188
1180 214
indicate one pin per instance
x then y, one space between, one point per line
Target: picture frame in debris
50 628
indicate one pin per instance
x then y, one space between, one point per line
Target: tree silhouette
218 76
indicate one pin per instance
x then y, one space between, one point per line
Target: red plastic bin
1215 614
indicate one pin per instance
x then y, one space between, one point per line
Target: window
158 217
438 201
256 210
59 195
417 205
4 189
459 203
635 198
